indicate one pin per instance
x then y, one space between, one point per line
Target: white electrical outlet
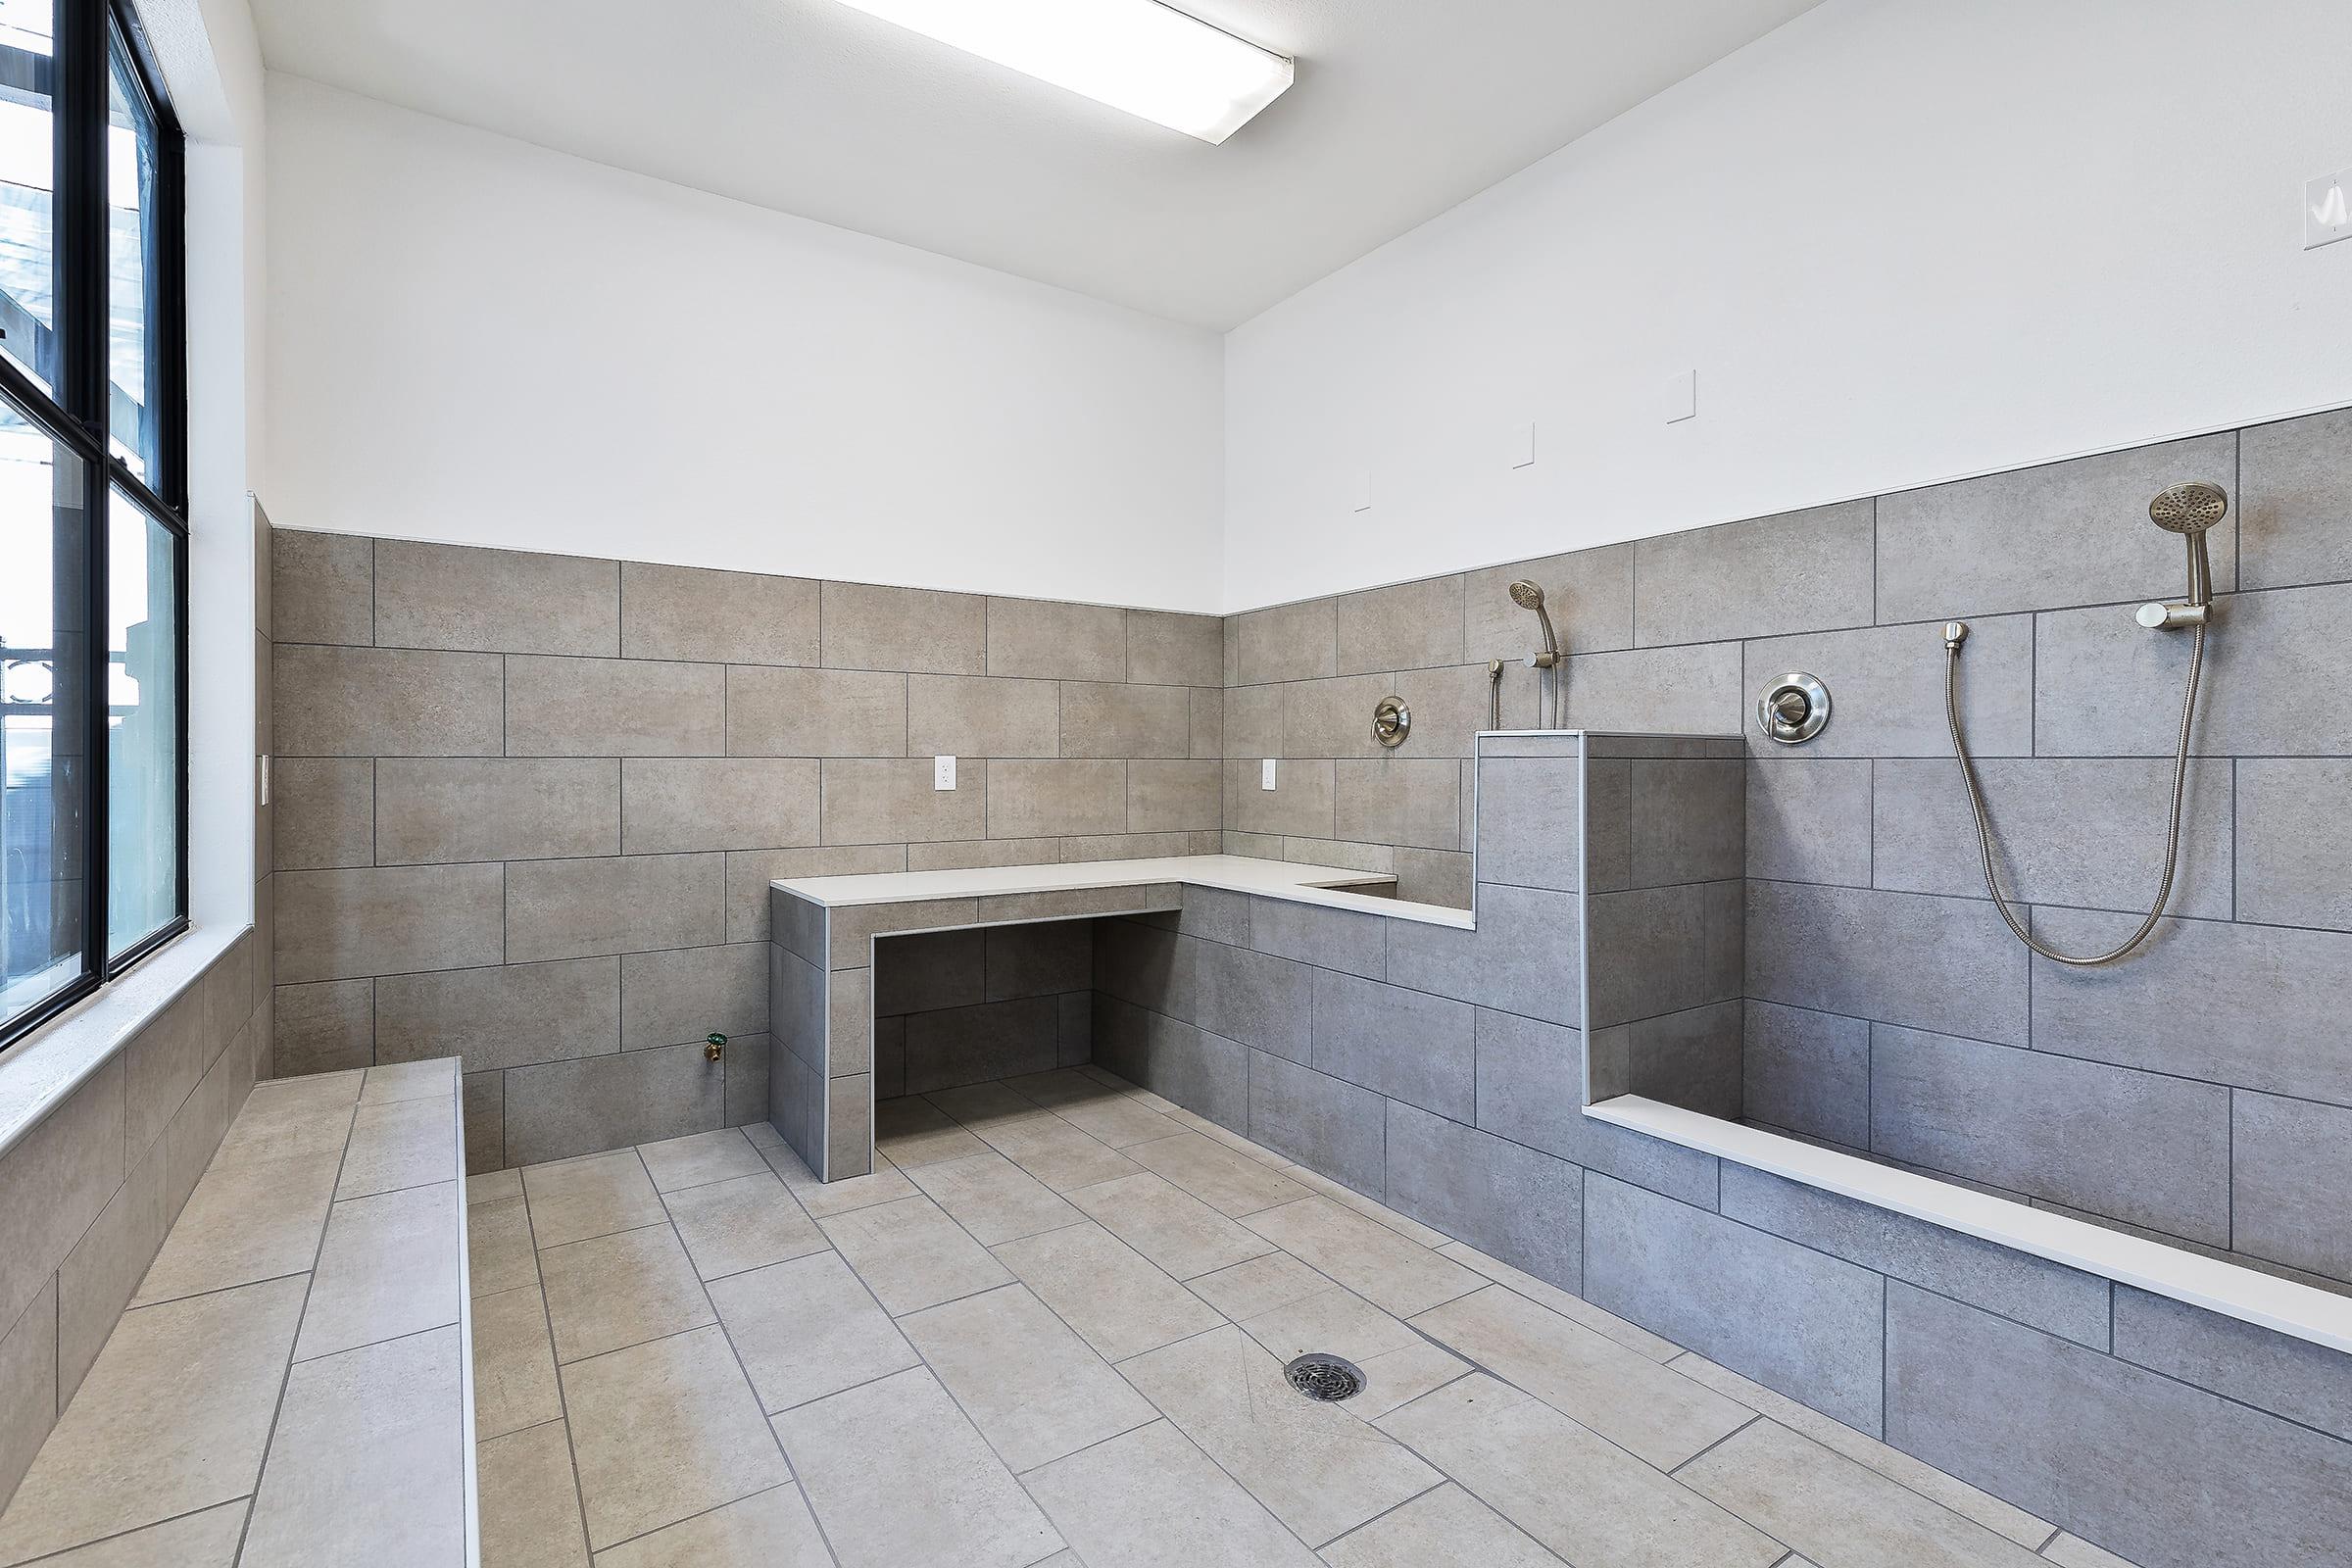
1682 398
943 773
2328 210
1265 774
1521 452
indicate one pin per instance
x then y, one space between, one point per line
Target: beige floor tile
823 1199
1062 1085
1317 1467
911 1131
1652 1411
1444 1525
401 1143
746 1222
772 1529
912 1256
978 1105
498 1253
1031 1385
1586 1499
172 1417
664 1431
1259 1285
285 1125
1117 1121
2073 1551
1226 1181
1346 1196
207 1540
1365 1255
1240 1144
411 1080
530 1508
614 1290
254 1220
595 1195
490 1186
368 1462
1574 1308
514 1363
1150 1499
388 1267
1398 1364
1839 1513
807 1328
1106 1289
864 1454
2002 1518
1057 1152
993 1198
701 1158
1168 1225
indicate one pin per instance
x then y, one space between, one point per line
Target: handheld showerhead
2188 510
1528 595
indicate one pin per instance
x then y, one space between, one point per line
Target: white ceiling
1403 108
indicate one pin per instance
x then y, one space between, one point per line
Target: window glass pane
132 415
43 713
27 175
142 787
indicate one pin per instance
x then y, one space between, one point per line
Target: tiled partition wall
1436 1070
529 805
2201 1089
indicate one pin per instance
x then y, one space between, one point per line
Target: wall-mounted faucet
1528 595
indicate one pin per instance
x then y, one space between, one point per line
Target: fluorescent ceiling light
1136 55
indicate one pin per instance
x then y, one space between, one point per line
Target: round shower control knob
1793 707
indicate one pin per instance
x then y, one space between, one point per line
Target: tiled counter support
291 1385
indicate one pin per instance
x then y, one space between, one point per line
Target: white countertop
1233 873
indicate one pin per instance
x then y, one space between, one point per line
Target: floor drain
1324 1377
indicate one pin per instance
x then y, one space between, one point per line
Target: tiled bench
291 1383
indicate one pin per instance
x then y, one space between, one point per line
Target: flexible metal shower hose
2171 832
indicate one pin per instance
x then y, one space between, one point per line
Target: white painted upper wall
478 341
1898 240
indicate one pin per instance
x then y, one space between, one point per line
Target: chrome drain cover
1324 1377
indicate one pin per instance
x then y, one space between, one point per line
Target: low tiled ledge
2286 1307
292 1382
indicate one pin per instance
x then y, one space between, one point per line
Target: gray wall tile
2289 1377
1167 649
321 587
982 715
930 969
1526 955
676 804
1434 876
1792 1318
2294 842
1055 640
1528 821
614 707
2167 1474
501 1017
1808 1072
728 618
1205 1073
1953 548
1300 803
2074 832
1107 719
324 1027
1043 960
57 1180
633 904
1413 625
1399 801
870 627
680 997
438 810
2048 1296
1205 726
374 701
892 802
495 601
1254 721
815 712
1662 950
1174 796
1407 1044
484 1098
2294 499
1529 1091
29 1356
1805 820
1946 964
1504 1198
1797 571
1886 688
1325 1124
1689 1059
1690 689
750 871
1590 593
743 1074
326 810
1029 799
977 1044
2248 1005
1255 997
1288 642
335 925
561 1108
1688 821
1344 940
2292 1160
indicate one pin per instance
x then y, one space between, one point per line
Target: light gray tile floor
1035 1337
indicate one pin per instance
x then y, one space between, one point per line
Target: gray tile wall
1887 1006
531 805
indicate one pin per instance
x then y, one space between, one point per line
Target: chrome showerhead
1526 595
2186 508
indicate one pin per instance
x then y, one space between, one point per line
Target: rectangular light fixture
1135 55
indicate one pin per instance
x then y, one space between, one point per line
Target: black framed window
93 507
